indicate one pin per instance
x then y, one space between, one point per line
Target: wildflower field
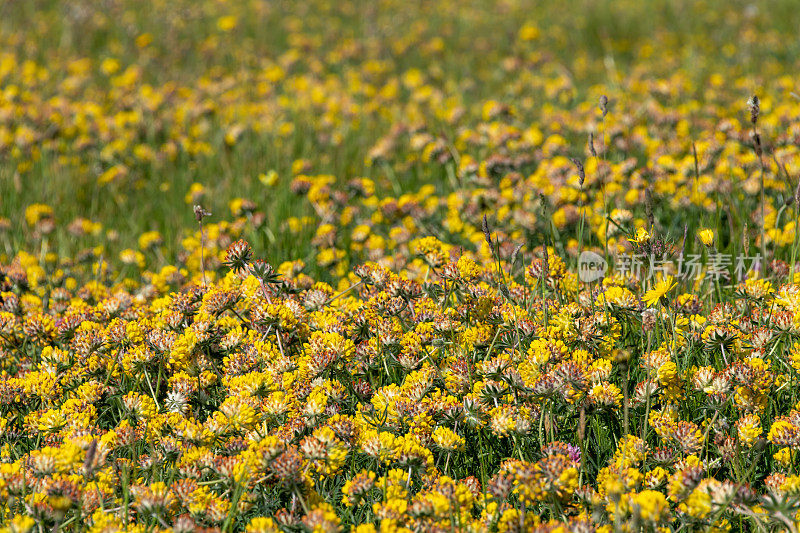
386 265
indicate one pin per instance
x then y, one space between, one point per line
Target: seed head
649 319
797 197
91 452
581 172
604 105
200 213
754 105
546 271
745 240
757 144
486 234
514 254
648 207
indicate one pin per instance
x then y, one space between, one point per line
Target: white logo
591 266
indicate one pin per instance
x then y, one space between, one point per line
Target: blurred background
118 115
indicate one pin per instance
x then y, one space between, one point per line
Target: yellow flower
655 294
36 212
748 429
149 239
642 236
783 456
269 179
21 524
227 23
698 504
262 524
529 32
447 439
706 236
667 373
651 505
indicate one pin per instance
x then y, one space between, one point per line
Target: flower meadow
275 266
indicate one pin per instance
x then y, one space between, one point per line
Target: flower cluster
457 392
283 267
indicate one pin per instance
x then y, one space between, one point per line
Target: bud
238 257
706 236
591 144
263 271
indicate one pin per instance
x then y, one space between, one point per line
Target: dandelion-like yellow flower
655 294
